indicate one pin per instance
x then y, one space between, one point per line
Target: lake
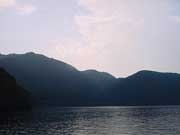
164 120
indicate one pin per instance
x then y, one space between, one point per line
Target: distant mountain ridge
53 82
149 88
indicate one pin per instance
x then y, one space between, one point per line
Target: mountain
100 79
53 82
148 88
99 76
12 96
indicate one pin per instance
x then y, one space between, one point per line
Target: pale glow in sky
117 36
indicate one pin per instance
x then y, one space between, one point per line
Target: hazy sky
116 36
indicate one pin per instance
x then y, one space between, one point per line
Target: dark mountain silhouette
99 76
148 88
102 80
53 82
12 96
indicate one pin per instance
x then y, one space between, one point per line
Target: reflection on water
93 121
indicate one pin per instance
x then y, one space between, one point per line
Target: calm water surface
93 121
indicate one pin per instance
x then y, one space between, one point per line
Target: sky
116 36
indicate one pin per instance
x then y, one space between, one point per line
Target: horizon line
117 77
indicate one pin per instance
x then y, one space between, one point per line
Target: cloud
25 9
175 18
7 3
21 9
123 36
106 34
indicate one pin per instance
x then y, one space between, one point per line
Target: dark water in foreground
94 121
